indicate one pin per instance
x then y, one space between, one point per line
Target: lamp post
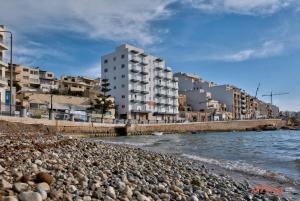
11 71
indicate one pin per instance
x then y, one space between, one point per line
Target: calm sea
272 153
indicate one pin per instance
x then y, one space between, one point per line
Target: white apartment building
3 66
144 89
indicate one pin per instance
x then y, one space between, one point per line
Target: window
105 61
114 58
115 78
123 76
122 56
105 70
123 86
65 78
123 96
115 68
115 87
123 66
123 106
25 70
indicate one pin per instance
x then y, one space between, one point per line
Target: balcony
134 58
3 63
3 46
159 75
135 91
159 84
3 81
144 62
158 66
168 69
142 109
144 71
134 79
144 90
134 68
133 100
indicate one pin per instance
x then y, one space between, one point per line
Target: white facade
141 84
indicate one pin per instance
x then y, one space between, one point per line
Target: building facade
3 66
77 84
27 78
143 87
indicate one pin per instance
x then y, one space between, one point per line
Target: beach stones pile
85 171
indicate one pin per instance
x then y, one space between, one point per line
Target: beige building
31 79
78 84
3 66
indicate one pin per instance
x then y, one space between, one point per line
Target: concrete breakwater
87 129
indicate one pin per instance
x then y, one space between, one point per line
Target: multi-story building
3 66
47 81
144 89
27 78
78 84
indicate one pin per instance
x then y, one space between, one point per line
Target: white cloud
268 49
246 7
99 19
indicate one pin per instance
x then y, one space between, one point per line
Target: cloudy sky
241 42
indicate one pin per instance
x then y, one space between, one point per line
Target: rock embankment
44 168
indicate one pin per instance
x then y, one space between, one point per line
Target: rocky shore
40 167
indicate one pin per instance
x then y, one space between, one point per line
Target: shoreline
76 169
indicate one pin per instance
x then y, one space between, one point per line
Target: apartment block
3 66
143 87
78 84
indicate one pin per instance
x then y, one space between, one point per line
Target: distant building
200 95
31 78
78 84
143 87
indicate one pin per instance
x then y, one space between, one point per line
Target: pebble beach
36 167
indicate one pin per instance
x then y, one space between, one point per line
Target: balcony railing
159 75
134 79
135 68
144 71
134 58
144 62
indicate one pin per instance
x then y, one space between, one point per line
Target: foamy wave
242 167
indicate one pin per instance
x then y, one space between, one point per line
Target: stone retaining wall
241 125
87 129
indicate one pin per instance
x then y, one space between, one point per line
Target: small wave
136 144
243 167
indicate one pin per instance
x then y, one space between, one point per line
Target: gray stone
30 196
111 192
43 193
72 189
20 187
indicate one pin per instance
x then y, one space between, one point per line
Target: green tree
103 101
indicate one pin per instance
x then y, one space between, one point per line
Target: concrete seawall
86 129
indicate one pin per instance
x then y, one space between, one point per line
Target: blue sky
226 41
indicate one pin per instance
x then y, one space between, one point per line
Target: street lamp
11 70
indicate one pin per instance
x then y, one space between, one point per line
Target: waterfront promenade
89 129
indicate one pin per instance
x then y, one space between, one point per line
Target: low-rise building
39 104
47 81
78 84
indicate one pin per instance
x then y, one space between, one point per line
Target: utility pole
11 72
